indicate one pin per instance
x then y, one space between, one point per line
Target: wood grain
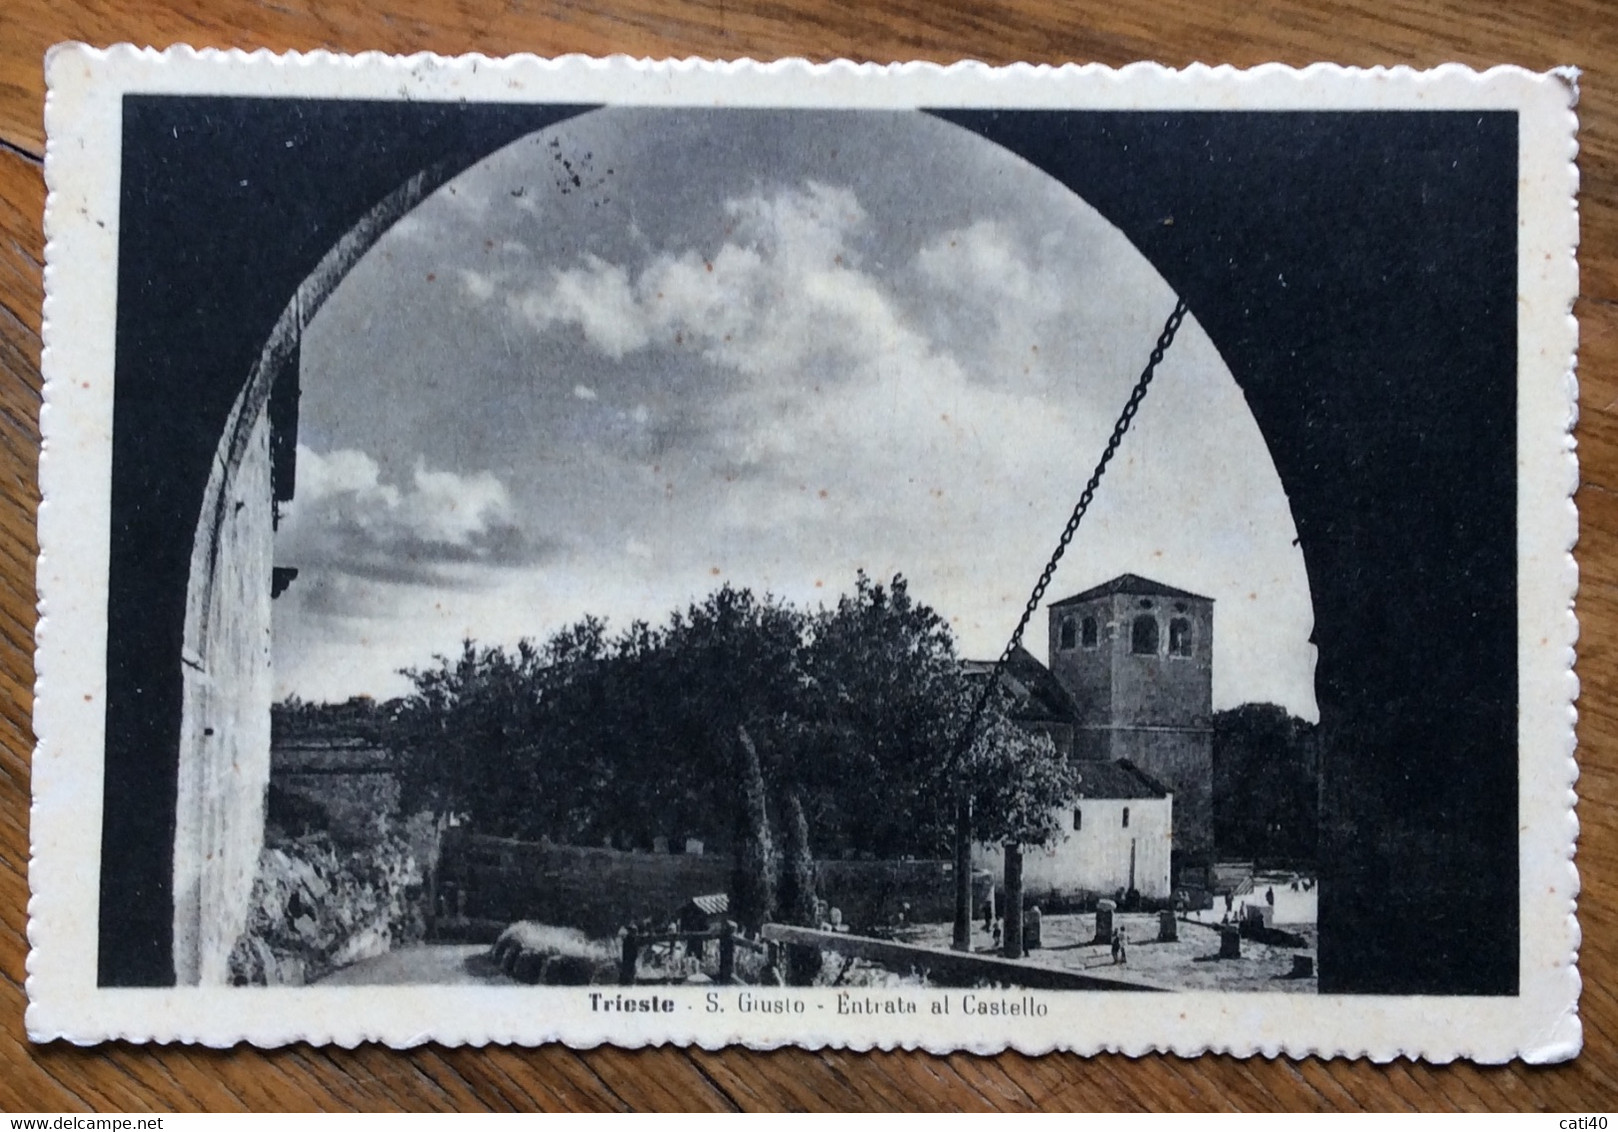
1535 33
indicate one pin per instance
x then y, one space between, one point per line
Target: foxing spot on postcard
594 550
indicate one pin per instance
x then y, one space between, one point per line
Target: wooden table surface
1535 33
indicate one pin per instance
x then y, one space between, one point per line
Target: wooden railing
726 934
946 967
941 966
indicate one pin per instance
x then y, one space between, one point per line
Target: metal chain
1121 426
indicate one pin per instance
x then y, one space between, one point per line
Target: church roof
715 904
1131 584
1036 693
1121 779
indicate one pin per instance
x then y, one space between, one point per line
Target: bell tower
1137 658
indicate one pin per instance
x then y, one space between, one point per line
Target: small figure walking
1269 897
1230 904
1120 946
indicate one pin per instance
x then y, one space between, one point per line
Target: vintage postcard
609 551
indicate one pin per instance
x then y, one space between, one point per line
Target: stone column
1168 928
1104 910
1013 935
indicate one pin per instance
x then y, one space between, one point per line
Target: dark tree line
853 713
1266 784
776 733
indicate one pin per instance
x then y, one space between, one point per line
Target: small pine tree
752 884
798 891
797 888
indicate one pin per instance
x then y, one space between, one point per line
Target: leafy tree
1018 783
468 730
1265 783
852 715
1018 786
797 886
359 717
885 696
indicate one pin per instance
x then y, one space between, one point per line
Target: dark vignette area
1357 271
226 205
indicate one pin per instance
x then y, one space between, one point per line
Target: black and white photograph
753 438
840 562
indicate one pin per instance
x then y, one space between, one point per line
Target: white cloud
453 509
584 393
595 297
783 288
342 473
345 519
982 265
413 226
809 226
837 374
478 285
795 391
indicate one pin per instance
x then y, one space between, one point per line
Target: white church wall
1094 859
224 764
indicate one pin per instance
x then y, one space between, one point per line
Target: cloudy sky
648 351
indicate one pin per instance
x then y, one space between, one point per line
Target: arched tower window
1126 817
1067 633
1089 633
1180 636
1078 818
1143 635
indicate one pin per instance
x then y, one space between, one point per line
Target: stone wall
873 893
1086 673
600 890
1162 689
1099 857
1182 761
350 781
224 756
223 761
357 804
595 890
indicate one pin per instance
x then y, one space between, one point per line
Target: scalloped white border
81 226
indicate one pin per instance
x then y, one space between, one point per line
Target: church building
1128 698
1115 839
1136 658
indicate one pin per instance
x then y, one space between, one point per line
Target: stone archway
224 751
1357 312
